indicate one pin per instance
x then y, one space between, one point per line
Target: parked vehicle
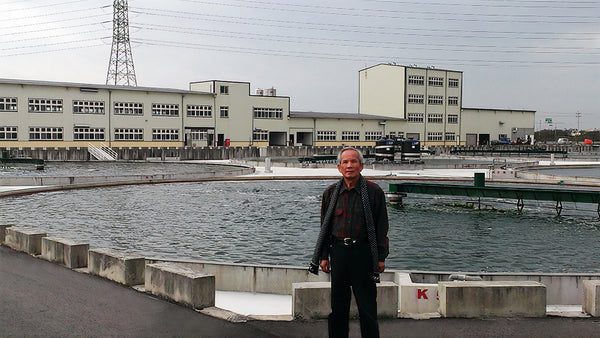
563 140
502 140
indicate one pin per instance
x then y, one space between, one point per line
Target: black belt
348 241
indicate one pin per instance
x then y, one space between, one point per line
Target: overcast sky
541 55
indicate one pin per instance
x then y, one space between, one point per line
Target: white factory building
398 101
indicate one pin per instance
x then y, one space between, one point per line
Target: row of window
330 135
432 99
440 136
268 113
431 118
434 81
137 134
10 104
8 133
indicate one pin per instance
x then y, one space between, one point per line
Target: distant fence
225 153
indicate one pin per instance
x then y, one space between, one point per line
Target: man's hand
381 266
325 266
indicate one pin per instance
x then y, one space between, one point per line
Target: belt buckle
349 241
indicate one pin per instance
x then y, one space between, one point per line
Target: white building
397 101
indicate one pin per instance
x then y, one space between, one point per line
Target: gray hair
361 158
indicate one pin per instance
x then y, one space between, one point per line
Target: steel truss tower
120 67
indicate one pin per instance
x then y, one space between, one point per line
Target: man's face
350 165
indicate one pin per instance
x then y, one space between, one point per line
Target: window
129 108
45 133
436 81
453 100
45 105
199 135
88 107
260 135
350 135
398 135
88 134
165 109
8 133
435 99
195 110
453 83
416 98
450 136
224 90
373 135
129 134
435 118
418 80
452 119
416 117
325 135
434 136
224 111
165 134
8 104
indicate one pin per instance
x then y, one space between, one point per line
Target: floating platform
508 192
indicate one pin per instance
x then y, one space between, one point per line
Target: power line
326 10
445 18
45 30
343 56
40 6
55 36
86 47
362 43
513 4
330 27
51 22
51 14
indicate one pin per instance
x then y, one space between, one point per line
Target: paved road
38 298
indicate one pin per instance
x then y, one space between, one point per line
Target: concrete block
181 284
419 298
416 298
472 299
591 297
64 251
117 266
3 231
25 240
312 300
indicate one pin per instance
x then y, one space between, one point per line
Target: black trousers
352 269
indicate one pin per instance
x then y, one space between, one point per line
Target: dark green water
276 222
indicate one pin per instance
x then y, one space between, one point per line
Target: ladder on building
102 153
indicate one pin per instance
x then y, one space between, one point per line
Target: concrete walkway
38 298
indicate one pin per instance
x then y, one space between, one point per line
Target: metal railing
102 153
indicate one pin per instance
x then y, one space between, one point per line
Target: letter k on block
422 293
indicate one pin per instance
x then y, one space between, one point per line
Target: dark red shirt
348 219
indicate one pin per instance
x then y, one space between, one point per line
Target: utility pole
120 68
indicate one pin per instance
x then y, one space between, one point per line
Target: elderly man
352 244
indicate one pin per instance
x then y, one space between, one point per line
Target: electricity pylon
120 67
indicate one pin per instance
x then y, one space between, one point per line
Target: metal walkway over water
507 192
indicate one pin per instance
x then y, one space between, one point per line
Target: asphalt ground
39 298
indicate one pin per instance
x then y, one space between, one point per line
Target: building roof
498 109
413 67
350 116
97 86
